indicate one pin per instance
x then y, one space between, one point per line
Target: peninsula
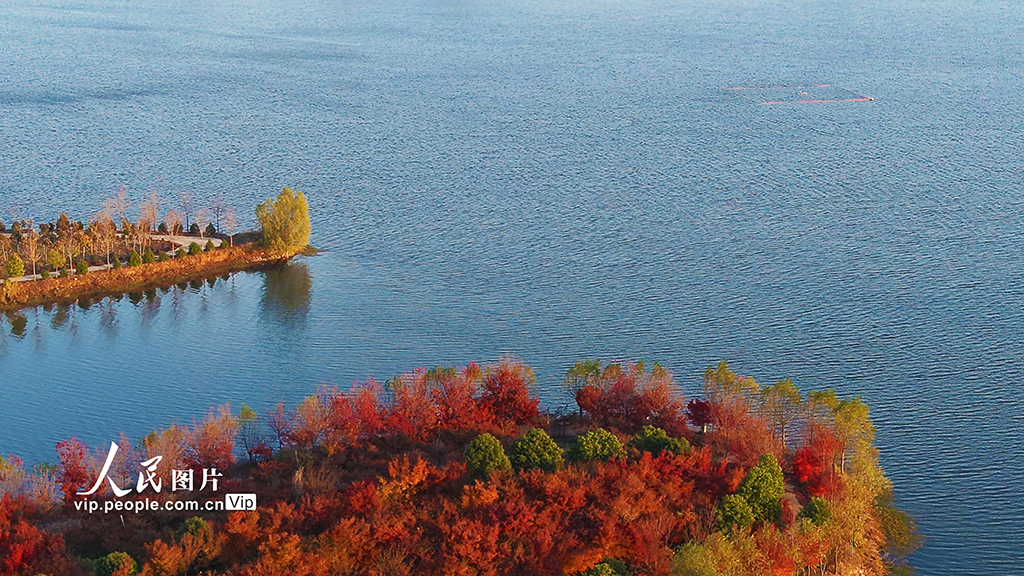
66 260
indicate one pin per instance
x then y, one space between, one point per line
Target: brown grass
15 295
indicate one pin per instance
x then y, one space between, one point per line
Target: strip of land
101 282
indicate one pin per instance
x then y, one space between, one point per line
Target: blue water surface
552 181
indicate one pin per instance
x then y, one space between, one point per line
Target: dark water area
552 181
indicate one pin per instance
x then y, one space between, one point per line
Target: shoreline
100 283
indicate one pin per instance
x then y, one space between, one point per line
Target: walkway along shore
98 283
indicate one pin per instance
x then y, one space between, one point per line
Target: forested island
68 260
457 471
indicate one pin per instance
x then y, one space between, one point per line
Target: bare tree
120 202
173 221
229 221
185 202
30 246
217 208
148 220
5 247
201 221
104 232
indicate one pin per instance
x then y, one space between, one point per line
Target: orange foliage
372 482
627 399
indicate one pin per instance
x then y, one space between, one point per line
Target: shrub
692 559
485 455
163 257
595 445
134 259
195 526
536 449
45 274
763 489
115 262
15 266
116 563
55 259
211 229
656 441
179 252
64 273
601 569
817 511
194 229
209 246
223 244
81 267
734 514
285 221
194 248
148 257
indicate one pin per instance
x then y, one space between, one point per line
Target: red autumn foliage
211 443
24 548
627 399
73 472
506 394
373 481
813 464
699 413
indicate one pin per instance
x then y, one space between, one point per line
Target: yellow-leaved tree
285 222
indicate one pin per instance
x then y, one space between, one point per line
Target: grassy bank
15 295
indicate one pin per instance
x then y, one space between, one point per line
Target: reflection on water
18 323
286 293
285 298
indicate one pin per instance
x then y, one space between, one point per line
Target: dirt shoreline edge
17 295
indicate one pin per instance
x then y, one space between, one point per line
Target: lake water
553 181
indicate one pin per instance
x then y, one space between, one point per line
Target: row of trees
109 235
455 471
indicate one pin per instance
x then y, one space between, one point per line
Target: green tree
163 257
194 248
15 266
485 455
817 511
55 259
209 246
734 514
597 444
781 404
195 526
285 222
114 562
605 568
179 252
148 257
81 267
692 559
656 441
536 449
763 489
134 259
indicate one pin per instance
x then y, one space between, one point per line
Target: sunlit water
553 181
